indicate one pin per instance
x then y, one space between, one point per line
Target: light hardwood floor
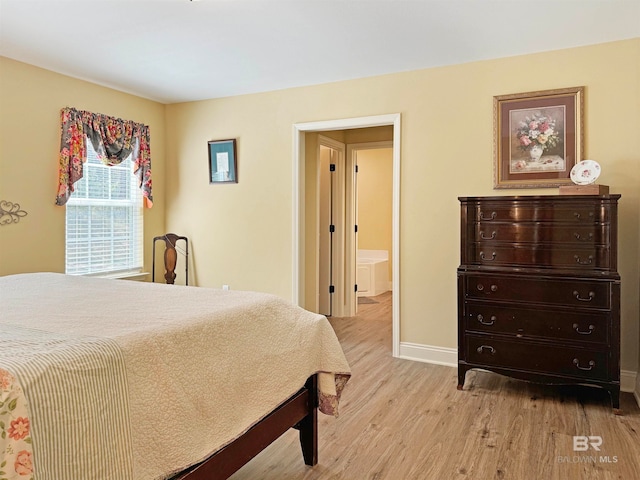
404 420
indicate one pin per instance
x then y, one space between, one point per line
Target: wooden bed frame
300 411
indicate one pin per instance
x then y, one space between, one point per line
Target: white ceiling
180 50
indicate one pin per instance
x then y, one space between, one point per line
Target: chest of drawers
539 291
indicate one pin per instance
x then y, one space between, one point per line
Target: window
104 220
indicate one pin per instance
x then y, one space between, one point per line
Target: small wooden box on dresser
539 291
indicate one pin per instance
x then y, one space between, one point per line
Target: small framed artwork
538 137
223 161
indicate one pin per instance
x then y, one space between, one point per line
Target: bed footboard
299 411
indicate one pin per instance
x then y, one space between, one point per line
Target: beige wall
30 103
375 201
242 234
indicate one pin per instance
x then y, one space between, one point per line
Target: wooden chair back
171 257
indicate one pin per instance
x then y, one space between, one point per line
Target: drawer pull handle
481 320
493 235
592 364
579 215
579 237
591 329
493 257
492 217
585 262
489 348
480 287
581 299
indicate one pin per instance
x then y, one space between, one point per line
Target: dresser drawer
538 232
592 327
559 360
538 290
574 257
576 213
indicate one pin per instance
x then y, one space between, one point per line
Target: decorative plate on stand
585 172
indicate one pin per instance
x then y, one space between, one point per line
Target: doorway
373 198
302 214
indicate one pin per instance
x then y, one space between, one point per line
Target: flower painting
537 129
538 137
537 140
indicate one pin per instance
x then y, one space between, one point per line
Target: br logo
582 443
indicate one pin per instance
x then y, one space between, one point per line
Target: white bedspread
198 368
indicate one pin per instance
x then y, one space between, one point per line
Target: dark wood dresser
539 291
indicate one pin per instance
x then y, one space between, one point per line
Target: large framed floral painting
538 137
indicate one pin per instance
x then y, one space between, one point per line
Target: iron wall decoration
223 161
10 212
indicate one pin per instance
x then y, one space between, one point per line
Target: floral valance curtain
113 139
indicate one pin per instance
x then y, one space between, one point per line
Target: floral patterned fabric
15 432
113 139
328 402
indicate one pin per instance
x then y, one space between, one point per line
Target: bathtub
372 274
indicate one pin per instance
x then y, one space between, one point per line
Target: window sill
137 276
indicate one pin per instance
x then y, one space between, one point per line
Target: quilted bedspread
114 380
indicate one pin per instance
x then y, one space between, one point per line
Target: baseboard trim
429 354
629 380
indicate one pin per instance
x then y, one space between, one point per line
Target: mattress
113 380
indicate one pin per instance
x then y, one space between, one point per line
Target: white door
331 228
325 230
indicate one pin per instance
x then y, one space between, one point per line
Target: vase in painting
535 152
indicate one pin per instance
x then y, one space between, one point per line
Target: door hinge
332 228
332 167
356 168
355 289
356 228
332 289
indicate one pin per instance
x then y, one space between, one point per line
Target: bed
113 380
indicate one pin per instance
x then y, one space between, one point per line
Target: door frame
298 221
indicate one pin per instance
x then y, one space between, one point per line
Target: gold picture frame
538 137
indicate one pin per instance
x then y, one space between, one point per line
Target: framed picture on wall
223 161
538 137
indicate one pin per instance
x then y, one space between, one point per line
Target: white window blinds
104 220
